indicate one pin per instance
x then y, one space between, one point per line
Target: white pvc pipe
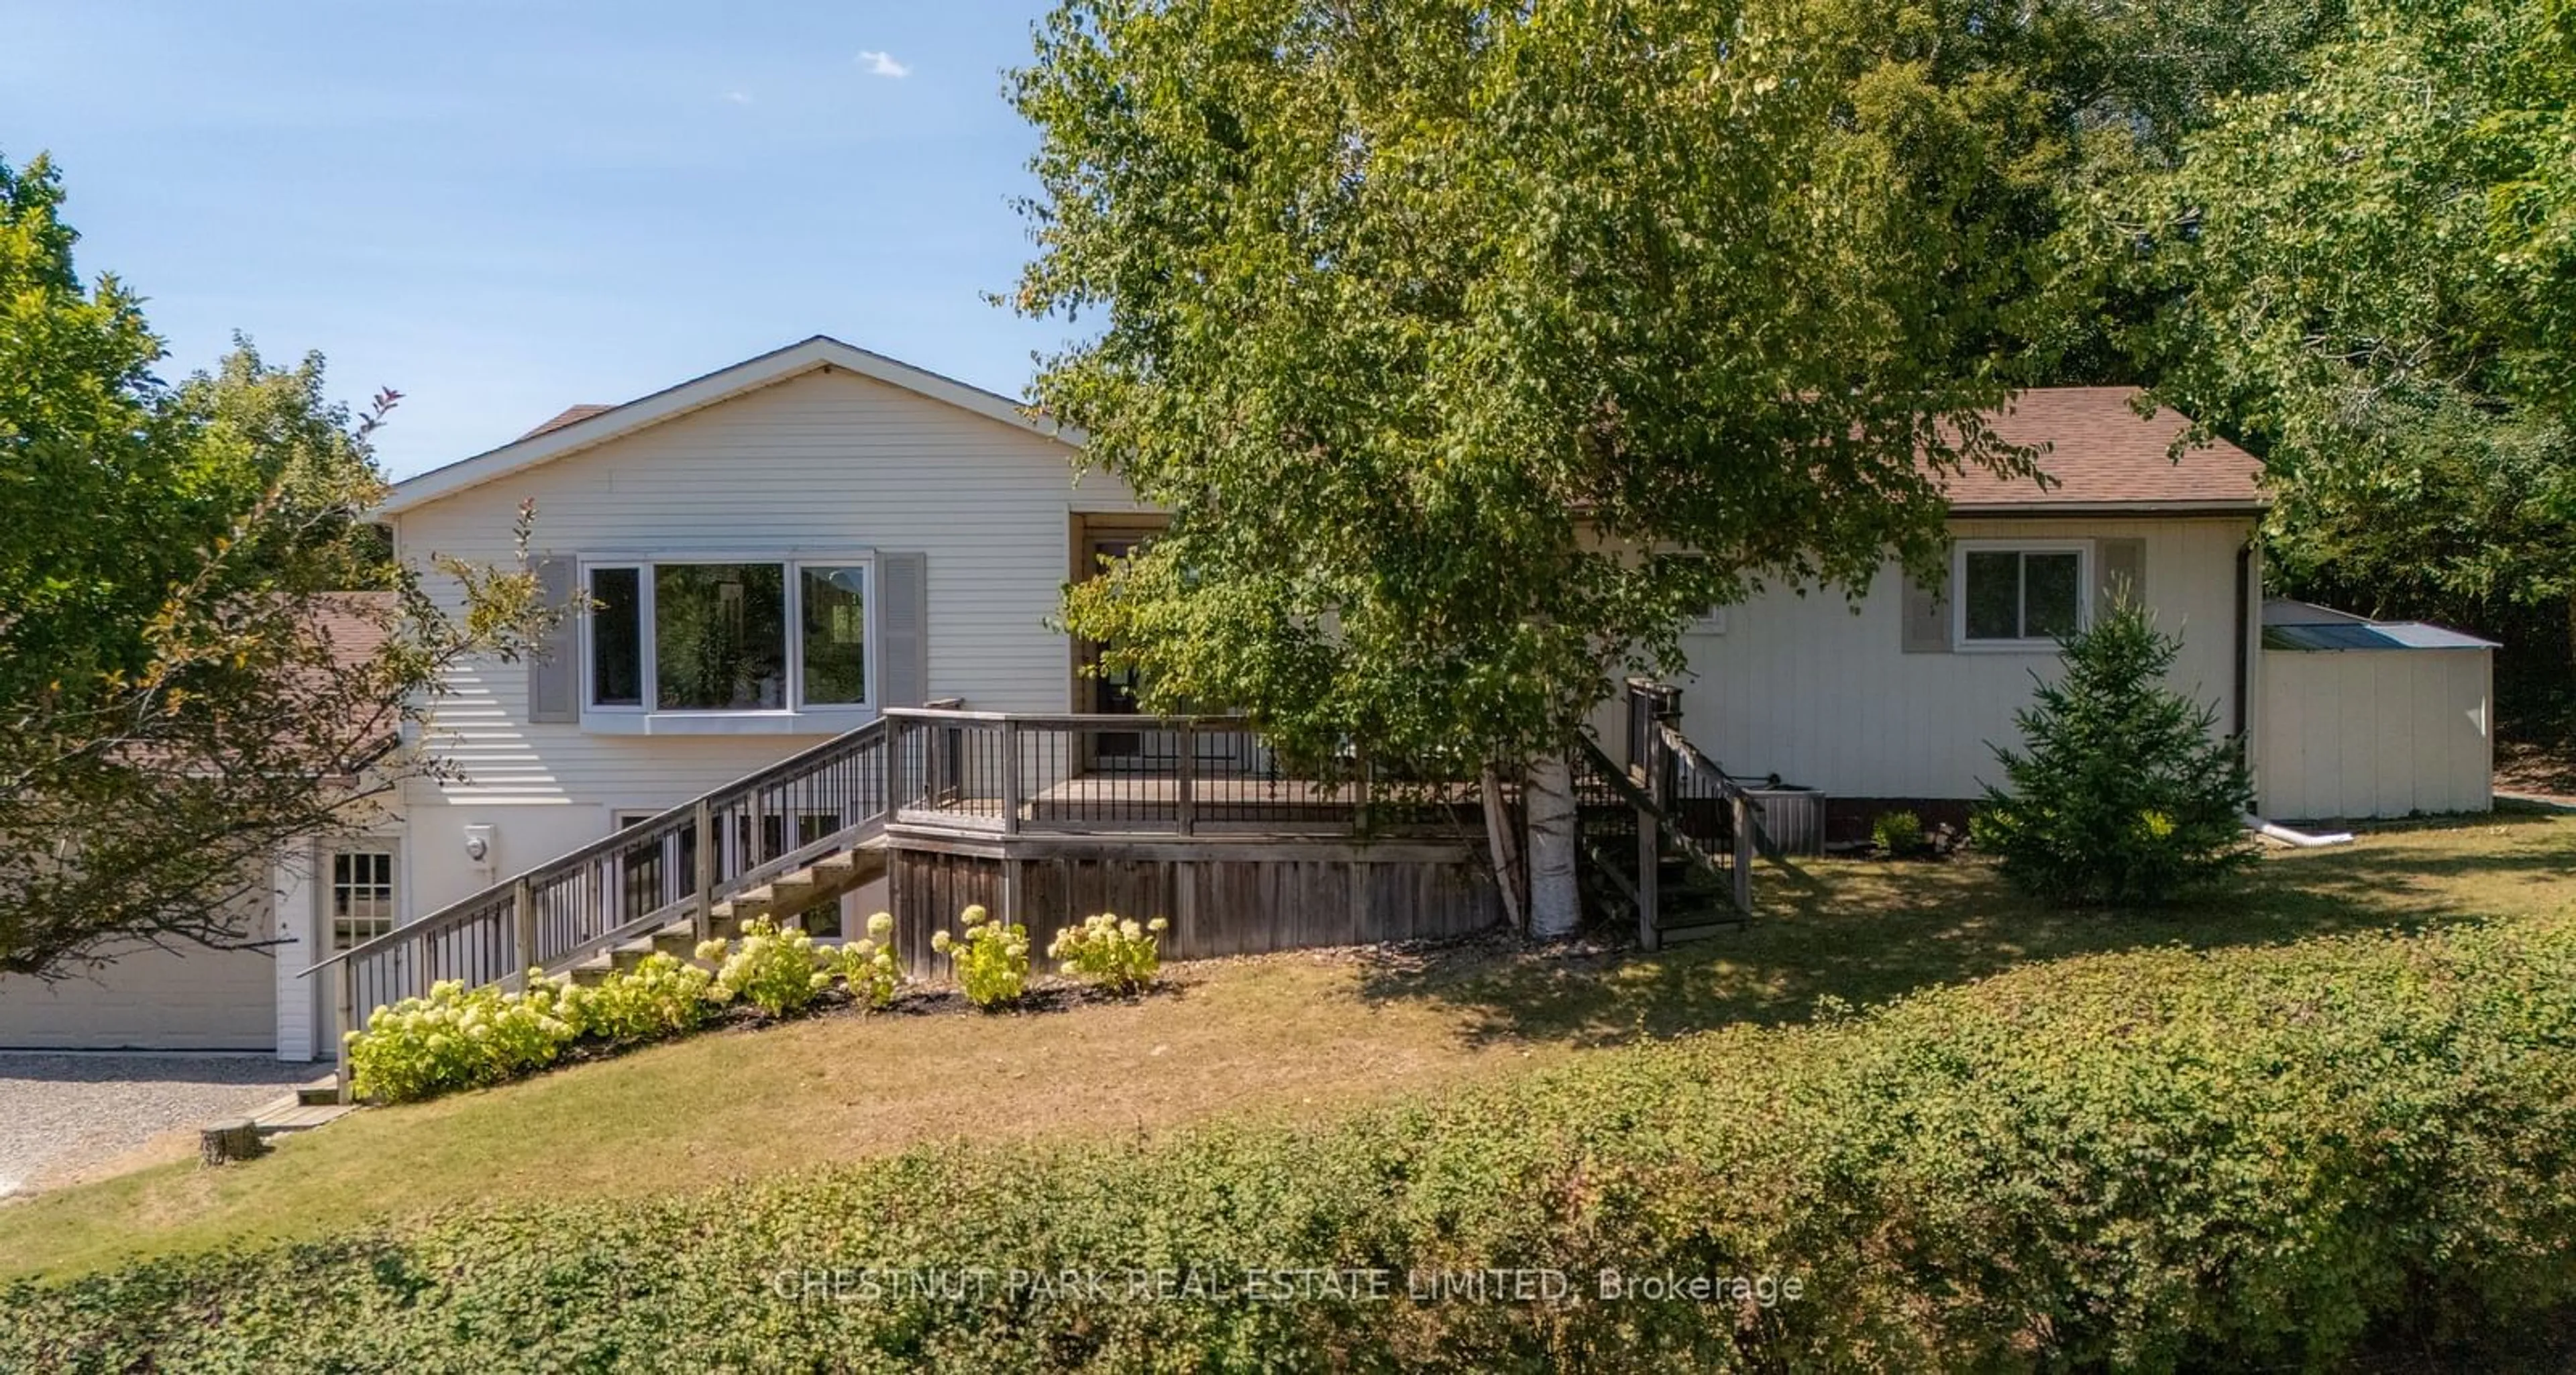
2275 831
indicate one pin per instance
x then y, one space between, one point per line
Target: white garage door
149 999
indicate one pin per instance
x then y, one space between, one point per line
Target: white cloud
882 64
737 97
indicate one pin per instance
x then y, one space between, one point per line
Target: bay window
727 635
616 638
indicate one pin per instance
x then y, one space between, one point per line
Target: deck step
303 1117
679 940
322 1092
1698 931
296 1112
824 880
821 881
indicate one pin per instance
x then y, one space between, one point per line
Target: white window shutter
1926 617
903 629
554 667
2122 570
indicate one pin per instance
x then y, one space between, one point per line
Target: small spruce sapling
2124 796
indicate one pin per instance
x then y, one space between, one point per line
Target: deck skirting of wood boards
1230 895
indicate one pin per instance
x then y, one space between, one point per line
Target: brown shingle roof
354 624
2102 453
2098 450
568 415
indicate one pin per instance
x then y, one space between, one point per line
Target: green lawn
1284 1036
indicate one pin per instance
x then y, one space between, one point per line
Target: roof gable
585 427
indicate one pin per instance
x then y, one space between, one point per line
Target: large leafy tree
206 651
1474 348
2370 278
2015 111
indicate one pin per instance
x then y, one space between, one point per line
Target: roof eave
2044 509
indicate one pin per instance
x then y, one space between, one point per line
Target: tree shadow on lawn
1867 932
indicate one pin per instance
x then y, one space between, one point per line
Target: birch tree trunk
1499 841
1553 905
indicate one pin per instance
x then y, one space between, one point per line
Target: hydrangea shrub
1123 956
991 958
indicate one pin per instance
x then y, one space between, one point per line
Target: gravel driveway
67 1114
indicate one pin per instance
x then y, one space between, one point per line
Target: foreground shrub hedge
2144 1160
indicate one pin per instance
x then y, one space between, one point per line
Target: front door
354 902
1112 690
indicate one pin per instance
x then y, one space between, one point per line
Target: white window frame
332 890
794 716
1959 551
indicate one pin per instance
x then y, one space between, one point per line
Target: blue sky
505 208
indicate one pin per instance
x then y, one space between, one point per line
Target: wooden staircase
826 879
1666 839
780 840
1692 901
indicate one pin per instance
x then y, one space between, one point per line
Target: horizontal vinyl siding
825 463
1820 694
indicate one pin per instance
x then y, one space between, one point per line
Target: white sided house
771 555
812 675
1894 701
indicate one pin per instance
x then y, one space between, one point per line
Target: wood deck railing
674 866
1009 774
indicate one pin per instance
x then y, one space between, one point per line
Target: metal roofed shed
2364 718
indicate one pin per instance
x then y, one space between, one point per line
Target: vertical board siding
825 463
2375 733
1232 906
1826 693
926 892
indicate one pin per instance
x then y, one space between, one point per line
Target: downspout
2271 830
2245 647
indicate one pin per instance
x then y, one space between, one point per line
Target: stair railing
678 864
1696 793
1677 796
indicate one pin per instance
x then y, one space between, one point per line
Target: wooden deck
1047 820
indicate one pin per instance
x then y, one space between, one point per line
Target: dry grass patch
1280 1036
